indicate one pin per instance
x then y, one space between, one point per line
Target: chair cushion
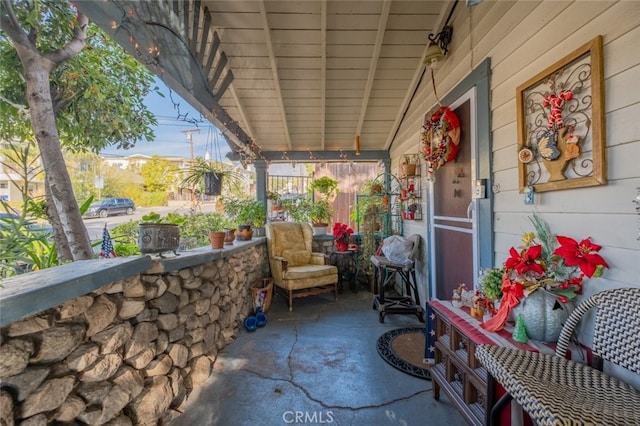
297 257
309 271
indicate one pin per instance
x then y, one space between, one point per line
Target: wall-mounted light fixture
438 46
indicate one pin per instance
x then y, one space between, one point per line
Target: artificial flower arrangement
541 264
341 233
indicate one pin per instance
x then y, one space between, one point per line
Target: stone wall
129 352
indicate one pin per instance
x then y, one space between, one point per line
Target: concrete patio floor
316 365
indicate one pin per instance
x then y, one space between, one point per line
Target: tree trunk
70 234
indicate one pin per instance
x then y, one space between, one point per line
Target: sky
170 136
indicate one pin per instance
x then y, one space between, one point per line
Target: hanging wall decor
561 133
440 137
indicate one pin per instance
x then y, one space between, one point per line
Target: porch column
386 163
261 180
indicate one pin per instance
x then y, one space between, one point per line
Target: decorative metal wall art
561 132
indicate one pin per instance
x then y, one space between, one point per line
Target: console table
452 338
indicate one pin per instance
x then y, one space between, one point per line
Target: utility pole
189 134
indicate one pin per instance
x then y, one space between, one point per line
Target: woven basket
262 293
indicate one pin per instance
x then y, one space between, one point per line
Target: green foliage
98 95
170 218
198 226
325 185
297 209
126 249
25 239
320 211
126 233
158 174
245 211
491 283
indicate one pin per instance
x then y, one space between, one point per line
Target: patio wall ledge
124 340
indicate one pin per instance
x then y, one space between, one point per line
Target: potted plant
545 273
297 209
325 185
218 224
320 213
408 165
206 176
247 213
157 234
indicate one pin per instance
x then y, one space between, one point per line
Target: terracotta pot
229 236
217 239
244 233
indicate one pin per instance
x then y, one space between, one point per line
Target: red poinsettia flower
526 260
581 255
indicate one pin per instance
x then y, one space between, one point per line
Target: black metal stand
407 304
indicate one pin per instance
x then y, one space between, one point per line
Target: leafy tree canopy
158 174
98 95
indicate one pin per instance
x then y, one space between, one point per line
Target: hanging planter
213 183
440 137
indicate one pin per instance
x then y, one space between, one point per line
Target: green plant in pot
207 176
320 213
326 186
247 213
158 234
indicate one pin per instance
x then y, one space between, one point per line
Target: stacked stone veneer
129 352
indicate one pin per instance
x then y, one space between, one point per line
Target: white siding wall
523 38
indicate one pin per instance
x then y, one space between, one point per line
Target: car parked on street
110 207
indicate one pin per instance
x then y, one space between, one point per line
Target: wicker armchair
554 390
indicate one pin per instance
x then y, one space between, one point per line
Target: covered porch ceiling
303 77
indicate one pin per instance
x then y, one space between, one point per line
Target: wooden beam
382 26
274 70
323 72
205 36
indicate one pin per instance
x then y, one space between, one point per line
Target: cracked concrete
315 365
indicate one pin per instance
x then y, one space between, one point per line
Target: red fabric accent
510 293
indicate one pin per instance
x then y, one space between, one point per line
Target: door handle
469 210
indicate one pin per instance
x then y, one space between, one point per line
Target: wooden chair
556 391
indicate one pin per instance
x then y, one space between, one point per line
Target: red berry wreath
440 137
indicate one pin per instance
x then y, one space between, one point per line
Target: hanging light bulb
207 155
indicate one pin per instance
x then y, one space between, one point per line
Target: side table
346 262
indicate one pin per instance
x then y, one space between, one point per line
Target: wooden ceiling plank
382 25
417 75
274 69
323 72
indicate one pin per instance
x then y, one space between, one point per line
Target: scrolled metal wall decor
561 133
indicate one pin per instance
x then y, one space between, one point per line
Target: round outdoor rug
403 348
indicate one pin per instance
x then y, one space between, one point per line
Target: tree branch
21 108
11 26
76 44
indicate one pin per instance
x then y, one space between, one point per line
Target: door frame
476 83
